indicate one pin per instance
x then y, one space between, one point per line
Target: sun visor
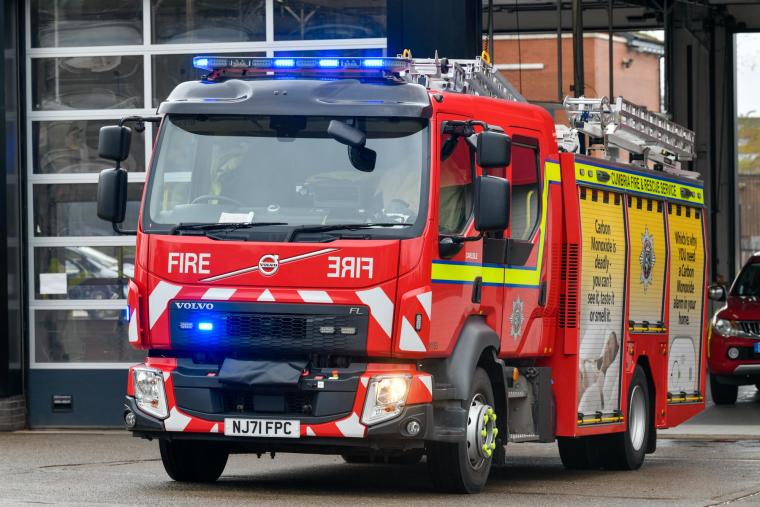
261 373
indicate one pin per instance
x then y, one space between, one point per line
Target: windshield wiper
204 228
342 227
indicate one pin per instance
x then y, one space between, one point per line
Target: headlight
149 391
386 397
723 327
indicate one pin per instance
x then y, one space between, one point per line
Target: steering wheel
209 197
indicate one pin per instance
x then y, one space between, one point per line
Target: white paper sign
53 283
236 218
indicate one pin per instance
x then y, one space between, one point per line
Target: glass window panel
355 53
88 82
175 69
320 19
70 210
186 21
86 23
83 336
91 272
71 146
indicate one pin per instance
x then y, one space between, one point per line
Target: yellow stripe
640 183
686 399
598 420
530 277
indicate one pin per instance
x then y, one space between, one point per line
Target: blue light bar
373 62
284 63
205 326
244 66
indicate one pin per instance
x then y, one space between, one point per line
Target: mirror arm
139 121
125 232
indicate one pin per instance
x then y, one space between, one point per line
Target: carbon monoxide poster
602 301
646 223
687 270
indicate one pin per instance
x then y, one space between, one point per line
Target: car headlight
726 327
723 327
149 391
386 397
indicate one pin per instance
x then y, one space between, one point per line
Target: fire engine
396 258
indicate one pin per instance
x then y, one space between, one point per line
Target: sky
748 74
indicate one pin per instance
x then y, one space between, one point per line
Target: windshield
286 170
748 282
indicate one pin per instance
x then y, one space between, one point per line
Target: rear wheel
723 394
577 453
407 458
626 451
463 467
187 461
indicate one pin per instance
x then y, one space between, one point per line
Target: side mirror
716 292
113 143
112 195
491 204
493 149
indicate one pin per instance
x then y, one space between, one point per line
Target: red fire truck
391 259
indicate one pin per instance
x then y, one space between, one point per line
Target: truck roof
317 97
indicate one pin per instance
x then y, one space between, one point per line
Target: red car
734 351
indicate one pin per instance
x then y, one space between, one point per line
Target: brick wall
12 413
638 81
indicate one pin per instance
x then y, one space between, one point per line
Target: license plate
757 347
275 428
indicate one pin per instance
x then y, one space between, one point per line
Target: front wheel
723 394
626 450
187 461
463 467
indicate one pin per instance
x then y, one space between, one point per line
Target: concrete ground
701 463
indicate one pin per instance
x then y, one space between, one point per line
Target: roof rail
471 77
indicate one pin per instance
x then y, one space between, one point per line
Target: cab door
462 286
521 331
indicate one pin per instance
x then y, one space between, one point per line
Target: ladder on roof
471 77
621 124
646 136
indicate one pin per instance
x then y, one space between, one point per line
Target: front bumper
196 415
746 367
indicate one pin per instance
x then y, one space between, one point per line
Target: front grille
750 327
272 328
246 402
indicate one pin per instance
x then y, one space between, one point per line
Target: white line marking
266 296
426 300
251 269
315 296
380 307
409 339
161 295
219 294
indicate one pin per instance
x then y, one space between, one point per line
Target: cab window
456 189
525 188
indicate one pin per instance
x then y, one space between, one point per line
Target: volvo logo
194 306
269 264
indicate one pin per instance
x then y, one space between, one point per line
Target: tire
723 394
450 464
356 459
407 458
192 461
574 453
626 450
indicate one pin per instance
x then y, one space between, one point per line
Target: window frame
533 144
473 175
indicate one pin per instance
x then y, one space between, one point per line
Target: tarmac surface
691 467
